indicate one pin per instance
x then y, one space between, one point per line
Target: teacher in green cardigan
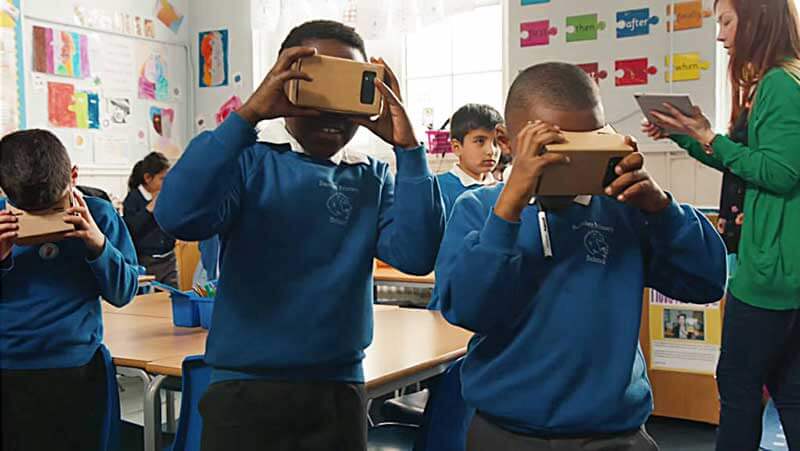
761 331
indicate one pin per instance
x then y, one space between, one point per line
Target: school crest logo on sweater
339 203
339 207
595 241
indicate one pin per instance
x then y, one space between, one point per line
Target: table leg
171 424
144 377
152 414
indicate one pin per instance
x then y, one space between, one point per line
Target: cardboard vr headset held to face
42 226
593 159
339 86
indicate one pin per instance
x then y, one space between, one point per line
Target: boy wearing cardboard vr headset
552 285
59 253
300 220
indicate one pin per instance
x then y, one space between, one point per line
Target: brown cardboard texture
43 226
339 85
593 157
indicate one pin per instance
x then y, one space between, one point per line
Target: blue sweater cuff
499 234
101 260
412 162
235 132
668 219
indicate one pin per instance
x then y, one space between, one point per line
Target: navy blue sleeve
140 221
685 258
478 272
116 268
411 217
201 193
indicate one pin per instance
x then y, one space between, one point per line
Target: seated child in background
555 362
472 134
155 248
52 374
300 220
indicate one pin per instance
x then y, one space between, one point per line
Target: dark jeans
54 409
284 416
483 435
759 347
165 269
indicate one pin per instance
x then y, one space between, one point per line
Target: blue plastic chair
195 380
447 416
772 437
109 439
392 437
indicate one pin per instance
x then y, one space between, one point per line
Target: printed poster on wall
213 58
684 337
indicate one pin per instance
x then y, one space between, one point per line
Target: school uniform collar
278 134
146 194
467 180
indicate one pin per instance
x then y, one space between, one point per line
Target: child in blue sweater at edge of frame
52 372
300 221
555 362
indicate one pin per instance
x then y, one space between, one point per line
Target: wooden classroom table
156 304
388 276
409 346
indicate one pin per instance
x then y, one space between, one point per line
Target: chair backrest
187 255
447 417
196 377
109 440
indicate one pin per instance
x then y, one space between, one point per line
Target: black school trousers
54 409
260 415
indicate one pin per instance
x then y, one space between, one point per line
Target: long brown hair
767 36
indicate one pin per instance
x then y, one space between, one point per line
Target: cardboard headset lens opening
43 226
340 86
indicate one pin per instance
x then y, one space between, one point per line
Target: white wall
234 16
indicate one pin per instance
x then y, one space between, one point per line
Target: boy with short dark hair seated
53 378
300 221
555 363
473 137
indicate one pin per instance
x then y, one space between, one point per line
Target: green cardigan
768 270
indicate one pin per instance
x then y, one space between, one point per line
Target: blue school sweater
299 235
50 295
556 350
452 186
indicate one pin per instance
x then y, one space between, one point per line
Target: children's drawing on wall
213 58
119 110
149 29
230 105
168 15
153 81
60 52
71 108
161 131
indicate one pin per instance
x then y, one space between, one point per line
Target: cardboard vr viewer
339 85
42 226
593 157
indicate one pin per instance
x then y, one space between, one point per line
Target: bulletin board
109 97
12 86
627 46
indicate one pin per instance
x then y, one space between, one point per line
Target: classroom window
452 62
